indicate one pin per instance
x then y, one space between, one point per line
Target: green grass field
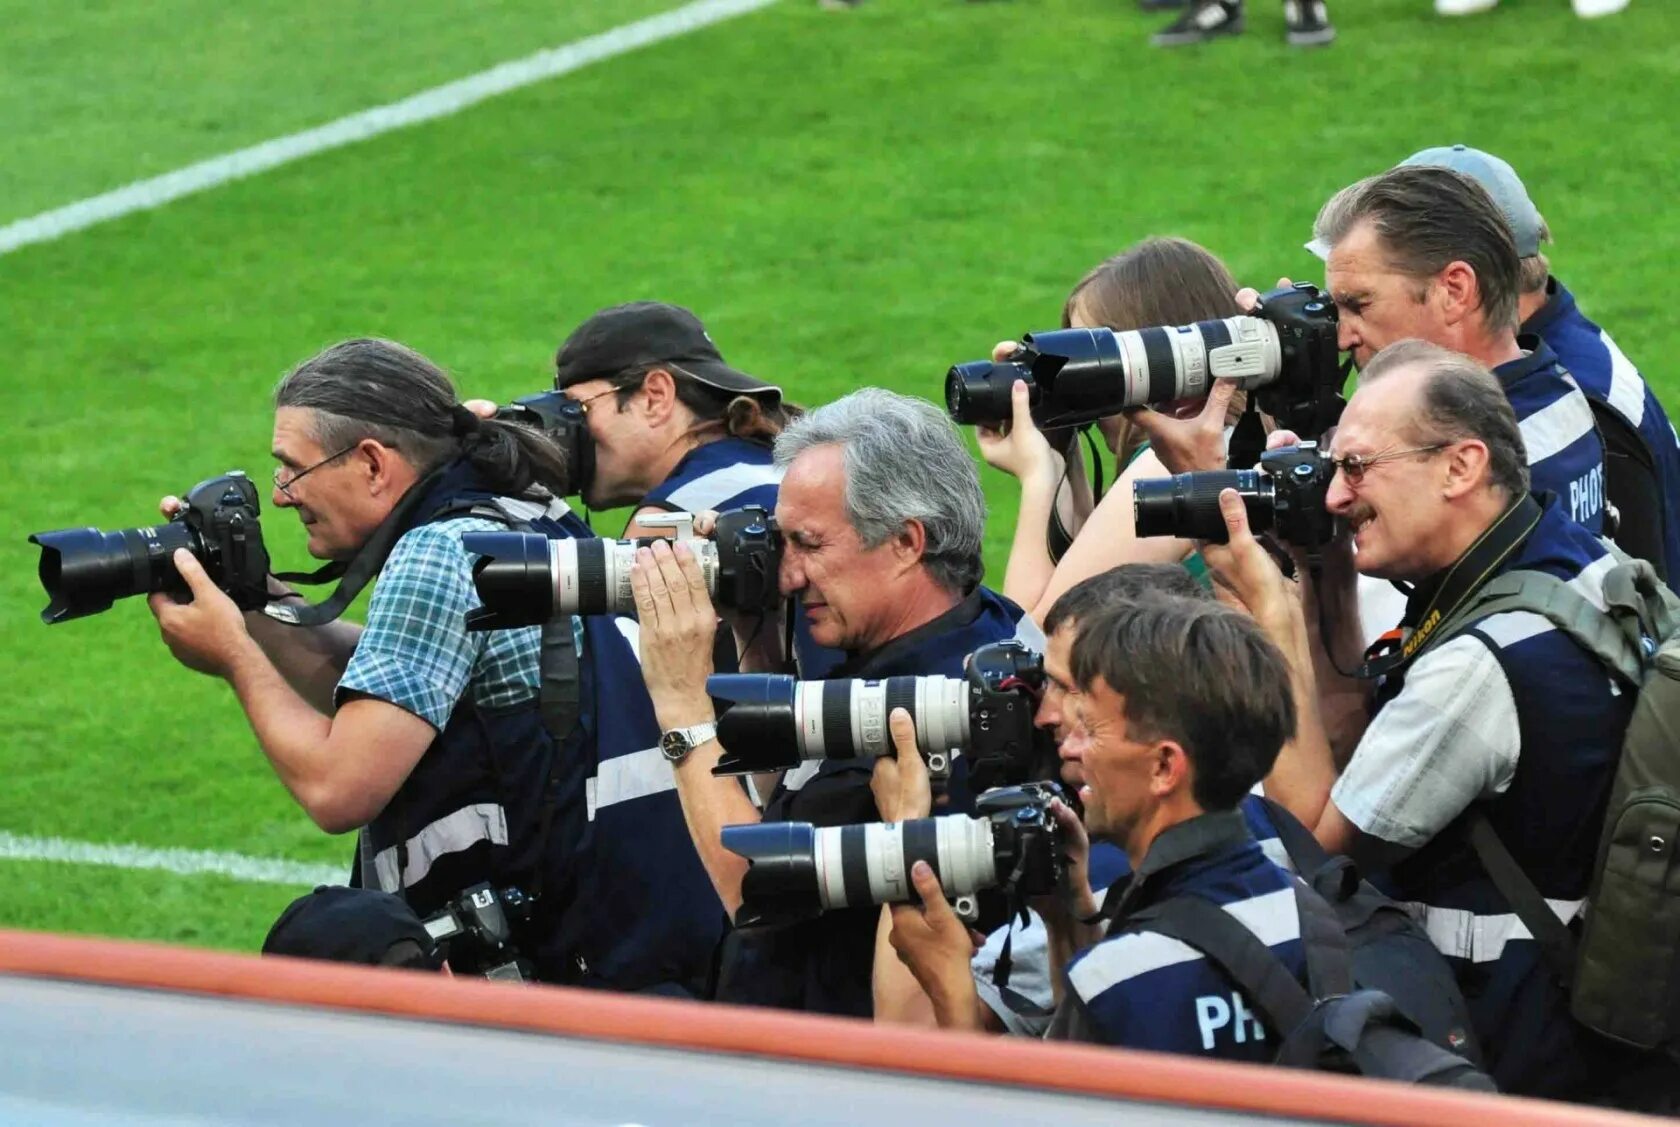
846 198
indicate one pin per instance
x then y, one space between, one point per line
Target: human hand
1248 297
1244 573
678 626
483 408
1074 897
1196 443
931 941
1018 447
207 634
900 782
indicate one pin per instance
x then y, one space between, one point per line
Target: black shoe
1309 23
1205 20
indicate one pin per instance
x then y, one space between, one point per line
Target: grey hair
379 389
1460 399
904 461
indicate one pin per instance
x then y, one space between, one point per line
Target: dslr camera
1285 496
562 419
84 570
767 722
796 871
1285 353
525 578
475 932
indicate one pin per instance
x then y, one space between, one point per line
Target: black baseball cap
352 925
643 333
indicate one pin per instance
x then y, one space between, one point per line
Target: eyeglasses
284 485
1354 466
583 404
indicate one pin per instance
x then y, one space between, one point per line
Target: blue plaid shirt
416 652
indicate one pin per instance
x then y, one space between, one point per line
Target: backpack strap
1557 943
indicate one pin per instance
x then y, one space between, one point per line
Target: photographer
468 757
675 429
880 514
1180 707
1511 719
1160 281
1423 252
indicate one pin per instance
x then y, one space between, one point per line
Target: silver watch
678 742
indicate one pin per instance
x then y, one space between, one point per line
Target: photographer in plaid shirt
509 757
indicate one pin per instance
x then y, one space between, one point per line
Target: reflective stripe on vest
624 777
1461 934
452 833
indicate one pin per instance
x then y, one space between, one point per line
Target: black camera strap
1438 600
357 572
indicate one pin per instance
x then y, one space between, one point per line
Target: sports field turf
847 198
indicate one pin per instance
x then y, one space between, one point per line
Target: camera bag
1623 972
1389 949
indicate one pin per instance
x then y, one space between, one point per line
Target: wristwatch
678 742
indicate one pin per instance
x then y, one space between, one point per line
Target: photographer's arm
1304 771
1065 911
678 625
341 769
1020 450
902 791
937 947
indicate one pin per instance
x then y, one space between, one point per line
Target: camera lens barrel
84 571
1187 505
773 721
979 392
796 871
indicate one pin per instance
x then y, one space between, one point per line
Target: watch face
674 745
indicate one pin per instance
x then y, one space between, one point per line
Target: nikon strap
1442 600
356 573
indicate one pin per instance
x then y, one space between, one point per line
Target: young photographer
462 756
1179 708
880 515
1158 282
1511 720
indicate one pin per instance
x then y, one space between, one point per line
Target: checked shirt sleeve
416 652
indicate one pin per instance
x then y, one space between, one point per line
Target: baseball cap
1497 178
641 333
351 925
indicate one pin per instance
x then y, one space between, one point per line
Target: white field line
182 862
440 101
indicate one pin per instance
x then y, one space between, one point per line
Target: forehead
812 492
1058 648
1378 411
293 432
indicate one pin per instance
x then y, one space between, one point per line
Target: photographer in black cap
675 429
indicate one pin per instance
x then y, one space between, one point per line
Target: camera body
768 722
562 418
797 871
1284 352
526 579
476 930
1286 496
84 570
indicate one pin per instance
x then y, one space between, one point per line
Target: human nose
790 576
1339 497
1347 334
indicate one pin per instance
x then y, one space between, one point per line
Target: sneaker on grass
1308 23
1202 21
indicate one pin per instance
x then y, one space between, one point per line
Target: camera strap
1436 601
357 572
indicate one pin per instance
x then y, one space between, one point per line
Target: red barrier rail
594 1015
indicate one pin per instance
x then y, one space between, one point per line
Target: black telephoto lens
84 570
780 885
977 393
514 579
1186 505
